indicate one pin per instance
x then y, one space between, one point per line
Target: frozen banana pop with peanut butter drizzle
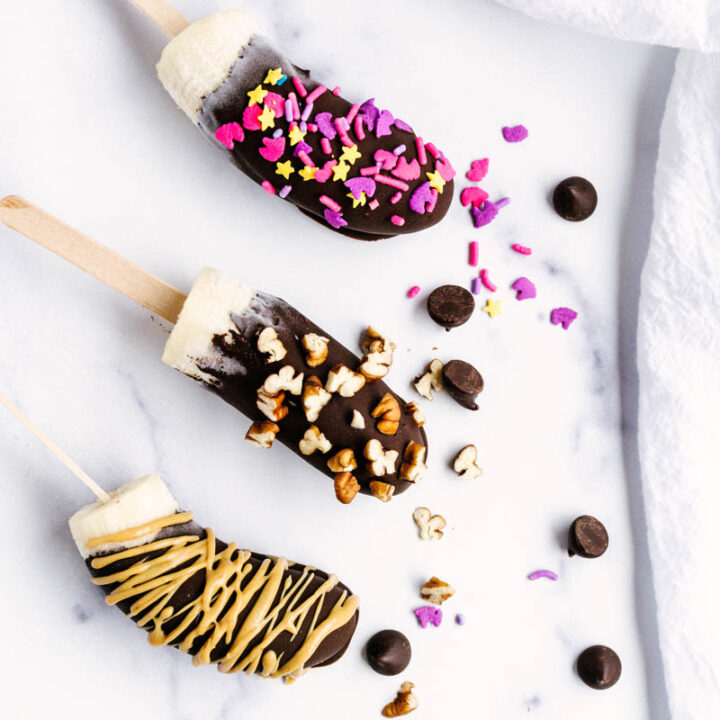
240 610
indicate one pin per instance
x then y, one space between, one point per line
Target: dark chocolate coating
388 652
240 389
463 382
450 305
331 649
599 667
587 537
575 199
226 105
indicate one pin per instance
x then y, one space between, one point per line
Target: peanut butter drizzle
139 531
154 582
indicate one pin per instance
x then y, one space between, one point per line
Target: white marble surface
88 133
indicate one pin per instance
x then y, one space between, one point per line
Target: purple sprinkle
288 111
476 286
303 126
485 214
563 316
524 288
402 125
360 185
422 198
325 125
460 619
502 203
335 219
549 574
428 614
278 133
400 149
307 112
369 113
515 134
285 191
302 146
384 124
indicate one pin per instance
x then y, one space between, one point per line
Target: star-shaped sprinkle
493 308
361 201
266 118
340 171
273 76
296 135
307 173
436 181
285 169
350 154
257 95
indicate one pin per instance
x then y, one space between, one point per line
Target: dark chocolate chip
450 305
575 199
463 382
599 667
587 538
388 652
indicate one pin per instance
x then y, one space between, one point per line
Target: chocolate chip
450 305
599 667
463 382
587 538
575 199
388 652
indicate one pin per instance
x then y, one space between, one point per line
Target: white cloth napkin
678 337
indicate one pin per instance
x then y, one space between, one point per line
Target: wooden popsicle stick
163 14
53 448
95 259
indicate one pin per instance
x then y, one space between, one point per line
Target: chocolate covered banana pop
300 386
240 610
355 167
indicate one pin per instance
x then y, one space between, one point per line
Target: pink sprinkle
392 182
564 316
306 161
336 90
315 94
521 249
397 220
486 280
474 253
515 134
342 132
326 147
422 155
476 286
549 574
297 82
307 111
312 127
374 204
370 170
413 291
428 614
285 191
330 203
359 130
396 198
432 150
295 106
353 112
268 188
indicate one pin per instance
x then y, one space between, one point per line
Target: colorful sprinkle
257 95
285 169
478 170
433 150
524 288
266 118
436 180
407 170
312 127
276 103
402 125
359 129
370 170
335 219
360 185
307 173
278 133
446 170
323 175
352 113
295 106
325 125
307 112
286 188
250 117
336 91
422 199
386 159
350 154
297 82
296 135
282 80
476 286
400 149
326 147
273 76
267 187
393 182
374 205
397 220
484 215
395 199
549 574
273 148
459 619
422 155
428 615
563 316
515 134
413 291
228 133
522 249
315 94
485 280
330 203
502 203
474 253
340 171
474 196
493 308
384 124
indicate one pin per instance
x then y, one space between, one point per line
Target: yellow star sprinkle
350 154
267 118
296 135
307 173
361 201
285 169
436 181
340 171
273 76
257 95
492 308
